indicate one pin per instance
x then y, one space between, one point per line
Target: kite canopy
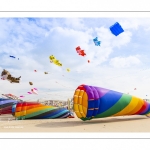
13 57
30 83
116 29
35 110
5 75
54 60
68 69
95 102
33 91
80 52
97 43
6 105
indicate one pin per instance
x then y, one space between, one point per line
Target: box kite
116 29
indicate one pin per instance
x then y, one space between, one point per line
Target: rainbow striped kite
96 102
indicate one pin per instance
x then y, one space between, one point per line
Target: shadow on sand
71 123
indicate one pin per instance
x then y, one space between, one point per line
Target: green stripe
39 112
120 105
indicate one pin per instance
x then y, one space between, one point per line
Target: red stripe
142 109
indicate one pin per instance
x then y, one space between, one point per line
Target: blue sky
118 64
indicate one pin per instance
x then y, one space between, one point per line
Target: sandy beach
134 123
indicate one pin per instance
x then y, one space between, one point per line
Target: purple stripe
7 101
96 95
101 91
89 92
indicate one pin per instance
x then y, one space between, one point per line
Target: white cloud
123 62
33 42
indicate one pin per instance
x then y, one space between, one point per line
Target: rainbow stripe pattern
6 105
35 110
95 102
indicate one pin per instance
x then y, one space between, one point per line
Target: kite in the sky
97 43
54 60
68 69
30 83
116 29
35 71
5 75
13 57
46 72
80 52
22 96
33 91
88 61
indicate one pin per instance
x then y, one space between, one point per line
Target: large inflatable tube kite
35 110
96 102
6 105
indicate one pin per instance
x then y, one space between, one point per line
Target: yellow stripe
76 102
133 103
75 99
23 112
85 103
136 107
80 102
76 110
18 114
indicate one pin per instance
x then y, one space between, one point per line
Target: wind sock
6 105
35 110
95 102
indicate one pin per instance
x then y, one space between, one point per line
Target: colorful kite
97 43
21 96
54 60
5 75
6 105
116 29
80 52
35 110
68 69
95 102
33 91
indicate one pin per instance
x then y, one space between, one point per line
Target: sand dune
134 123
